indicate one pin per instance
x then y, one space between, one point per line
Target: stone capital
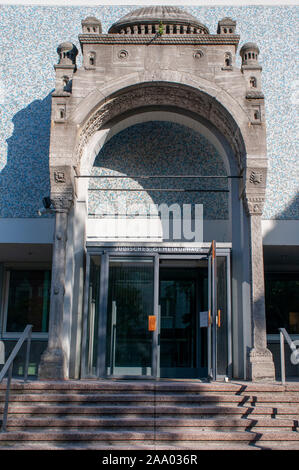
62 202
253 204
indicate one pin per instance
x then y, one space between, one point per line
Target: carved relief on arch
256 179
159 95
62 192
254 204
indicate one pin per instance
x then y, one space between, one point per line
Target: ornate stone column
260 361
53 363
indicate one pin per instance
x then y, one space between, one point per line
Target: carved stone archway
170 95
252 169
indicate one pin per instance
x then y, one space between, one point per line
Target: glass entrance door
143 316
130 304
219 350
182 294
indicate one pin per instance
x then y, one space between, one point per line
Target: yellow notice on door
152 323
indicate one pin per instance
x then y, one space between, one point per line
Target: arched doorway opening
171 289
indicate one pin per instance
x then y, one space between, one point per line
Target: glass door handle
219 319
152 323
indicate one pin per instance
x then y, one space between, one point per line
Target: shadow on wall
25 179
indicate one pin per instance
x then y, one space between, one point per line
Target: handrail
9 365
284 334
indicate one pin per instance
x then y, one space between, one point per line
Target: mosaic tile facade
29 38
159 148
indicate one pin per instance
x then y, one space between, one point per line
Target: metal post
84 368
27 355
102 323
159 344
282 359
214 310
156 333
113 337
5 412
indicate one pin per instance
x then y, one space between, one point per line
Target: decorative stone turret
226 26
91 25
67 54
65 69
249 53
251 70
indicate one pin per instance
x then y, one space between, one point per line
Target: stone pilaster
260 362
53 364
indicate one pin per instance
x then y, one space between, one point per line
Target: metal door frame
215 252
103 300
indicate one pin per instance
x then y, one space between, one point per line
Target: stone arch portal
184 99
234 131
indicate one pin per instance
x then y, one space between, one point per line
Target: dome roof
227 20
249 46
153 15
65 46
91 20
67 53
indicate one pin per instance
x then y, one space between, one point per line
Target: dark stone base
260 365
52 365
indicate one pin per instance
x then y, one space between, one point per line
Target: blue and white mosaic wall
29 36
158 148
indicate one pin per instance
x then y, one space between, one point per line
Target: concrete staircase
161 415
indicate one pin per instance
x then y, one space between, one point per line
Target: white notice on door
204 319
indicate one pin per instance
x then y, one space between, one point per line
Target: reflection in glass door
222 318
182 342
91 316
219 349
130 303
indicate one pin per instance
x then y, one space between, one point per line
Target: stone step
148 421
141 445
150 415
148 436
133 398
104 386
95 422
179 429
165 445
157 410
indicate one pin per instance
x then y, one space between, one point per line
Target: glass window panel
178 319
28 300
93 314
282 302
222 328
